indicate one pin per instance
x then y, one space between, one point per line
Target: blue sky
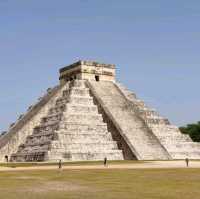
155 45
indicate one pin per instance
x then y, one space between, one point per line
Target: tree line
193 130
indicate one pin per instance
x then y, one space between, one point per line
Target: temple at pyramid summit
90 116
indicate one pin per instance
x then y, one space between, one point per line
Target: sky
154 44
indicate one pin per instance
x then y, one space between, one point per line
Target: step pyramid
90 116
72 130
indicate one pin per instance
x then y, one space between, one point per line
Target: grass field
101 184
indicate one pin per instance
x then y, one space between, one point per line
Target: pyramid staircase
178 145
72 130
142 142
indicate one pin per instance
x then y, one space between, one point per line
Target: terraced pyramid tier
178 145
132 129
72 130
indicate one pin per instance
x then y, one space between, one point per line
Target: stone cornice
87 63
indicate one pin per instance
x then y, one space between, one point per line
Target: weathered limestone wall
122 144
87 70
178 145
82 134
140 140
70 73
72 130
105 74
17 135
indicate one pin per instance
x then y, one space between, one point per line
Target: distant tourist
6 158
187 162
60 164
105 161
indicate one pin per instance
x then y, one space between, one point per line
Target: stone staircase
24 125
143 143
72 130
178 145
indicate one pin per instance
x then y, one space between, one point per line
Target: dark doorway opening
97 78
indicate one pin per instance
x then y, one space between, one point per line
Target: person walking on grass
105 162
60 164
6 158
187 162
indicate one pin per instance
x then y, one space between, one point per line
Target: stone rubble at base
90 116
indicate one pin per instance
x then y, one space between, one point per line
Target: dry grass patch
59 186
98 184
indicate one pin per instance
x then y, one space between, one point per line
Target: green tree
193 130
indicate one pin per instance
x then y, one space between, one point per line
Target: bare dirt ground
143 165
